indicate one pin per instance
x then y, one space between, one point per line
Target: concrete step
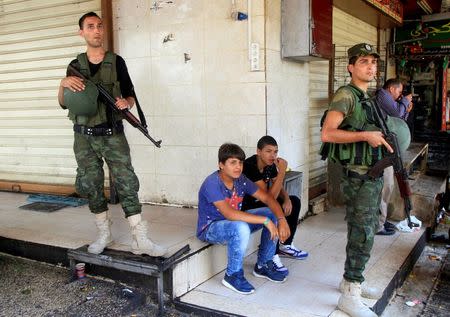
202 264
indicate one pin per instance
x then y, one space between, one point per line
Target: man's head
91 29
267 150
362 62
231 158
394 87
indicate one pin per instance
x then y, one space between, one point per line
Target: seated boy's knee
241 229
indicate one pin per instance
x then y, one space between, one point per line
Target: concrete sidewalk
311 289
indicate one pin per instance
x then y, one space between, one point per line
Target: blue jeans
236 235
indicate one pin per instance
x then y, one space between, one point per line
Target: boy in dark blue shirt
221 221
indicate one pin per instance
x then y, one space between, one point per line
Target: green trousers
90 151
362 198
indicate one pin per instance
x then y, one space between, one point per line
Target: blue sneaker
279 265
238 283
291 251
269 272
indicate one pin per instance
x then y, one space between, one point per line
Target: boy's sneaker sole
287 255
228 285
266 277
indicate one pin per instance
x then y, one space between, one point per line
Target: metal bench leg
160 282
72 268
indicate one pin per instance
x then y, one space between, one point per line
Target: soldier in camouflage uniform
362 193
99 136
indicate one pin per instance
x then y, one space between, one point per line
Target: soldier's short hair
84 16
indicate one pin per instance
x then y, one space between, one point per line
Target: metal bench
126 261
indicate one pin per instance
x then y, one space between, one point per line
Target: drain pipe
249 29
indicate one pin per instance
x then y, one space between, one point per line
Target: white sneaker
279 265
291 251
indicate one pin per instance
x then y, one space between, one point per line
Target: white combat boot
141 243
350 301
104 238
366 290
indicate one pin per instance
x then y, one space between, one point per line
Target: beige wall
287 100
213 98
193 106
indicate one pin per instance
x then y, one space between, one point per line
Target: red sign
391 8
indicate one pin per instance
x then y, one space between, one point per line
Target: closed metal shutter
38 38
347 31
318 94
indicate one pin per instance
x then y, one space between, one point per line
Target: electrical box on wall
306 29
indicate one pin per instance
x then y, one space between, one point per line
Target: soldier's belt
99 130
363 177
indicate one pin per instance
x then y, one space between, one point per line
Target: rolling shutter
38 38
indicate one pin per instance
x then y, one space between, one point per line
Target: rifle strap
139 110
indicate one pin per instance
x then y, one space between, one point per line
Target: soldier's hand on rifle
122 103
73 83
376 138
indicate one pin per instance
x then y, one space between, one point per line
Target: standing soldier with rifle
356 143
99 135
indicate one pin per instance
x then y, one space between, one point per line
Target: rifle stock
111 102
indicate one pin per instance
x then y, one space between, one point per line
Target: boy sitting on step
220 220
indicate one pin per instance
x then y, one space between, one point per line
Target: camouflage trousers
362 198
90 153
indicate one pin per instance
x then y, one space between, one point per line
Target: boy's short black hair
230 150
266 140
84 16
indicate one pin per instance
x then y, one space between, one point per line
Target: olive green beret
82 103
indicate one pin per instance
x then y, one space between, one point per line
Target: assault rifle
111 103
394 160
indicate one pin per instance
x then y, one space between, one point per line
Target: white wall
287 101
213 98
194 106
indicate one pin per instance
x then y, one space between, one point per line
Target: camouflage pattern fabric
89 153
363 200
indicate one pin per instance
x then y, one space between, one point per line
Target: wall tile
237 68
187 38
173 70
181 100
235 98
180 160
242 130
185 130
132 43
